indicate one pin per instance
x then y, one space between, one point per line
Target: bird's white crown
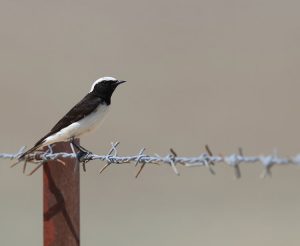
100 80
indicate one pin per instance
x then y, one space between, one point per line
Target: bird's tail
22 157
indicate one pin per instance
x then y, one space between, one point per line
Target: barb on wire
112 158
137 162
112 150
209 163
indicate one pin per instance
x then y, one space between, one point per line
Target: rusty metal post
61 200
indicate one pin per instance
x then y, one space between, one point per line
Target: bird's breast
89 122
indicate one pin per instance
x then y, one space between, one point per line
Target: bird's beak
120 82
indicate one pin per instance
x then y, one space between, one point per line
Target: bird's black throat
104 91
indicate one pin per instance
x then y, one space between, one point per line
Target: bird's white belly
80 127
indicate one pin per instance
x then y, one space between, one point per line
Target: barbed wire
172 159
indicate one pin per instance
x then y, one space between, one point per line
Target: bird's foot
83 155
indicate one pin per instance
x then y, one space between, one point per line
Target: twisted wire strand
172 160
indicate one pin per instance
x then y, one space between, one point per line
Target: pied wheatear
85 116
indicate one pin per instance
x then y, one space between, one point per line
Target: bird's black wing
86 106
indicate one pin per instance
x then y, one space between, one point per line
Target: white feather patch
80 127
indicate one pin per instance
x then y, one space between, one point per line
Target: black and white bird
83 117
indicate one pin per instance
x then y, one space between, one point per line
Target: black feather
86 106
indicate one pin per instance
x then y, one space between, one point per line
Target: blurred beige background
223 73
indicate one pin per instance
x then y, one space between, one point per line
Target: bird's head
105 86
